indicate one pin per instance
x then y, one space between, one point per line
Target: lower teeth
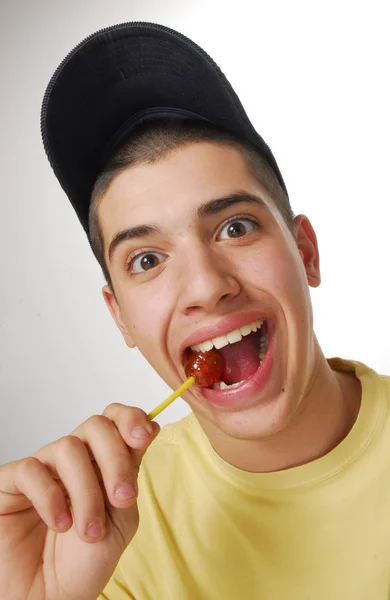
221 385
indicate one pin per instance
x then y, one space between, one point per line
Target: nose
207 279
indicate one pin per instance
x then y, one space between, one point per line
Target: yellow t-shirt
209 531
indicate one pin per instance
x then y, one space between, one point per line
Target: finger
27 482
117 462
133 425
69 458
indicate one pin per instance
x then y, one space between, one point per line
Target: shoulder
375 389
361 370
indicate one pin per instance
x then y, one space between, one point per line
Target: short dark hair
154 140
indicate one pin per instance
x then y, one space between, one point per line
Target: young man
278 485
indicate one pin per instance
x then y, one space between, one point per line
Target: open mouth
243 351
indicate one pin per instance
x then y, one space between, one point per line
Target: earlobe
116 314
306 240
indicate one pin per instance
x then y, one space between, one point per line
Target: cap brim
117 74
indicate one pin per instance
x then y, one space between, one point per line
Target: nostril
190 310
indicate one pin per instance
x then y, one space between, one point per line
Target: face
199 254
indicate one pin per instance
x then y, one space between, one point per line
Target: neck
323 419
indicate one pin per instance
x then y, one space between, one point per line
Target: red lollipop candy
205 367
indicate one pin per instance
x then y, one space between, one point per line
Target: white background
314 78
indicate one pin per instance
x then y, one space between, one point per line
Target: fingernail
141 432
95 529
125 491
63 520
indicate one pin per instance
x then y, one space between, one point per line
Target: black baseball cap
120 78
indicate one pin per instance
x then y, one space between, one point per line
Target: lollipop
202 369
205 367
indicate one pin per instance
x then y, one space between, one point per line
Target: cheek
277 271
145 310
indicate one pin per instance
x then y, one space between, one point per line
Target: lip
222 327
247 394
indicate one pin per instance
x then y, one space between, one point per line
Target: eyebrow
212 207
215 206
130 234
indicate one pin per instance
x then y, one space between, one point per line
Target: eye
236 228
145 261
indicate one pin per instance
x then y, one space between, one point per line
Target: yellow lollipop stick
156 411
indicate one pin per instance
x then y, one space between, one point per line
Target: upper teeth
229 338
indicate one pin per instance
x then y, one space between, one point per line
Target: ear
306 240
116 314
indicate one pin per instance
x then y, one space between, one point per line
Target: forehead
169 191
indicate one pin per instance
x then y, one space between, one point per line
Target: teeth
246 330
234 336
204 346
230 338
220 342
263 347
221 385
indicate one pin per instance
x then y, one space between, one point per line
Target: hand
68 512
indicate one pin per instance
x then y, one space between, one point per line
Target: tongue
241 359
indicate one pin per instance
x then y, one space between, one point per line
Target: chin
260 422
